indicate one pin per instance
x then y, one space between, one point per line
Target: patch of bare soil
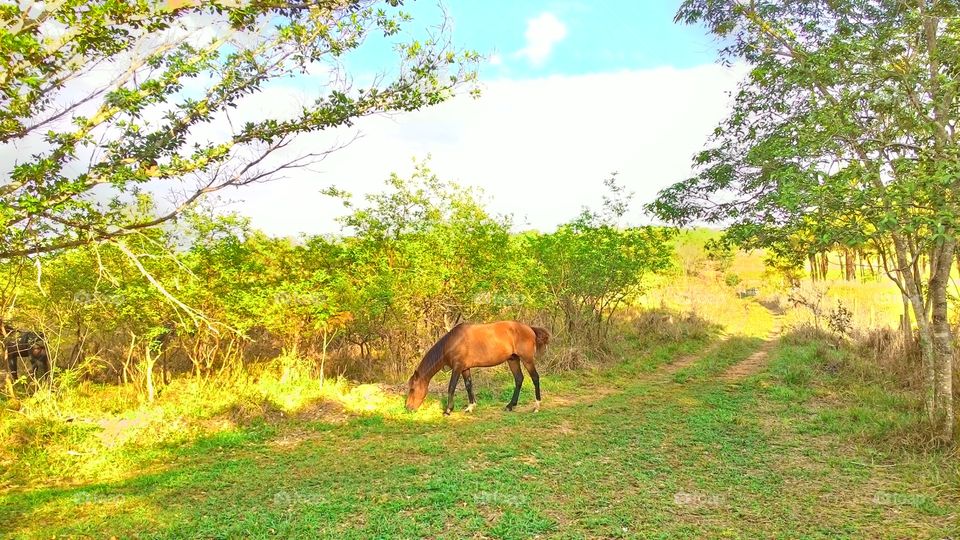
755 362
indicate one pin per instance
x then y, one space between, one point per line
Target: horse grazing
28 345
479 345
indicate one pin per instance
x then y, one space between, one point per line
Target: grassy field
665 444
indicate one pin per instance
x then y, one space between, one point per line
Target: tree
842 133
113 98
592 266
422 256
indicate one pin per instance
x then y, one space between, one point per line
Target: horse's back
501 330
494 343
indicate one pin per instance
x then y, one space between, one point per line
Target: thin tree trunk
849 266
924 328
77 351
149 362
942 257
126 363
942 339
323 355
906 325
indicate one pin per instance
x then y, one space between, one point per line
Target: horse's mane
431 361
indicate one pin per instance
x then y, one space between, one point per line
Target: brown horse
479 345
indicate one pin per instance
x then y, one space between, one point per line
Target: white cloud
539 148
543 32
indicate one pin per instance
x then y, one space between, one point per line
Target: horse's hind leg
517 380
468 383
535 377
454 378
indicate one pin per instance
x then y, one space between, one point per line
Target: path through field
663 446
755 362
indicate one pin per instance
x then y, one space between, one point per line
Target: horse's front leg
468 383
454 378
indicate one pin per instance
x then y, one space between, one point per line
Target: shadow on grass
772 304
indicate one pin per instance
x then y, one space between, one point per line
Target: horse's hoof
446 413
509 408
470 407
536 406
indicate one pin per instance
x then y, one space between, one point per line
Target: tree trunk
906 325
323 355
941 263
913 291
149 362
126 362
77 351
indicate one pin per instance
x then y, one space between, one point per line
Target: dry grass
708 299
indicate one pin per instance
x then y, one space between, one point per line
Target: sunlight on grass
103 431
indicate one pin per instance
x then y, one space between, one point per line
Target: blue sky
601 36
571 91
598 36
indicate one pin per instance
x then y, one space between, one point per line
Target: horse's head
416 391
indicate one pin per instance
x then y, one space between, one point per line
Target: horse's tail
542 336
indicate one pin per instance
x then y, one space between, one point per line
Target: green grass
632 451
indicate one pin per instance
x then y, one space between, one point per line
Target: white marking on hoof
536 406
470 407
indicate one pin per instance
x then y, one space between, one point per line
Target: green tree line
209 294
